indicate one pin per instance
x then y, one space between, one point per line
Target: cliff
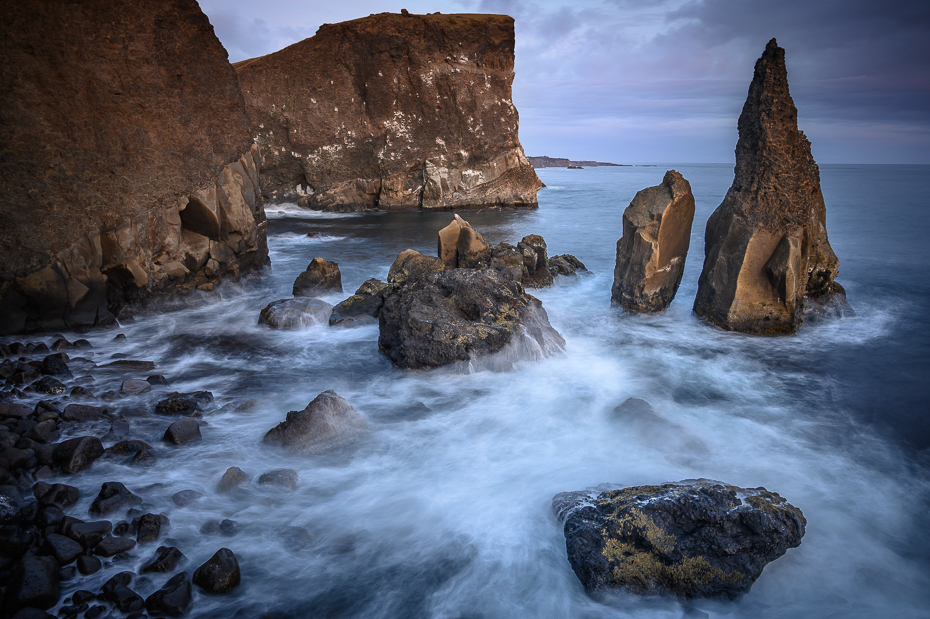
128 164
766 248
392 112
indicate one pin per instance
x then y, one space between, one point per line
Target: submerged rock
696 538
321 276
233 478
459 314
651 253
184 403
363 305
292 314
765 247
327 423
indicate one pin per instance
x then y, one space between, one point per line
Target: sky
663 81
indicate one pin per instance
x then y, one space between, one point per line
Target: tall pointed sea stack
766 252
392 112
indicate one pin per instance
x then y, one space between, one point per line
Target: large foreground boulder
459 314
129 166
327 423
696 538
765 247
651 253
392 112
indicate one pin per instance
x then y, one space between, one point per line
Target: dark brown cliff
127 167
392 112
766 247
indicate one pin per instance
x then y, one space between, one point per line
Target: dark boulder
113 497
54 365
185 403
220 574
82 413
536 261
186 497
76 454
321 277
88 565
64 549
165 559
148 528
292 314
111 546
14 540
117 591
35 584
233 478
282 478
363 305
459 314
183 431
410 265
565 264
696 538
88 534
49 385
508 261
328 422
134 386
173 599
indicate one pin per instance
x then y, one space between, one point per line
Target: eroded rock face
459 314
696 538
392 112
651 253
766 246
129 167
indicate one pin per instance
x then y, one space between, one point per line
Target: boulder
536 261
59 495
87 534
328 422
117 591
363 305
508 261
392 112
765 247
148 528
321 276
76 454
114 155
292 314
111 546
463 247
83 413
183 431
185 403
282 478
233 478
64 549
411 265
88 565
165 559
173 599
134 386
113 497
186 497
651 253
35 584
54 365
49 386
695 539
220 574
459 314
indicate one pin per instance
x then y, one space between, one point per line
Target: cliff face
128 164
392 112
766 247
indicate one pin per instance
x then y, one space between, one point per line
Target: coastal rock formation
463 247
695 538
328 422
363 305
411 265
297 313
321 276
565 264
129 166
536 261
651 253
392 112
458 314
765 247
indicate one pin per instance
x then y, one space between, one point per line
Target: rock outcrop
392 112
765 247
460 314
129 168
322 276
327 423
463 247
696 538
651 253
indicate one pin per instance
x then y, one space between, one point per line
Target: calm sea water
445 510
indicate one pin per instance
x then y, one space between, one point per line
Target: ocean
444 510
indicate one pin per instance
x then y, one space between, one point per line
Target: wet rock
81 393
9 512
49 385
463 247
186 497
14 540
53 365
183 431
651 253
88 534
296 313
827 304
111 546
61 344
117 591
228 527
113 497
766 245
83 413
328 422
459 314
76 454
49 516
148 528
697 538
321 277
64 549
185 403
156 379
283 478
11 410
565 264
173 599
536 260
410 265
43 431
508 261
233 478
131 364
220 574
123 529
35 584
88 565
134 386
363 305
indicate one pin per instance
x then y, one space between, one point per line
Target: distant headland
557 162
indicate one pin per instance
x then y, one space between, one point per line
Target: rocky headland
392 111
561 162
767 258
129 169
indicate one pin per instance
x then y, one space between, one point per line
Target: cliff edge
392 112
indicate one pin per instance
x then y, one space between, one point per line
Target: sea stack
129 169
766 252
651 253
392 111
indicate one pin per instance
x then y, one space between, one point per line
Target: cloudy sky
663 81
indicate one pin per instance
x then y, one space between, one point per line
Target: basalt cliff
128 166
768 262
392 112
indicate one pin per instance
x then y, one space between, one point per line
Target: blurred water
444 511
